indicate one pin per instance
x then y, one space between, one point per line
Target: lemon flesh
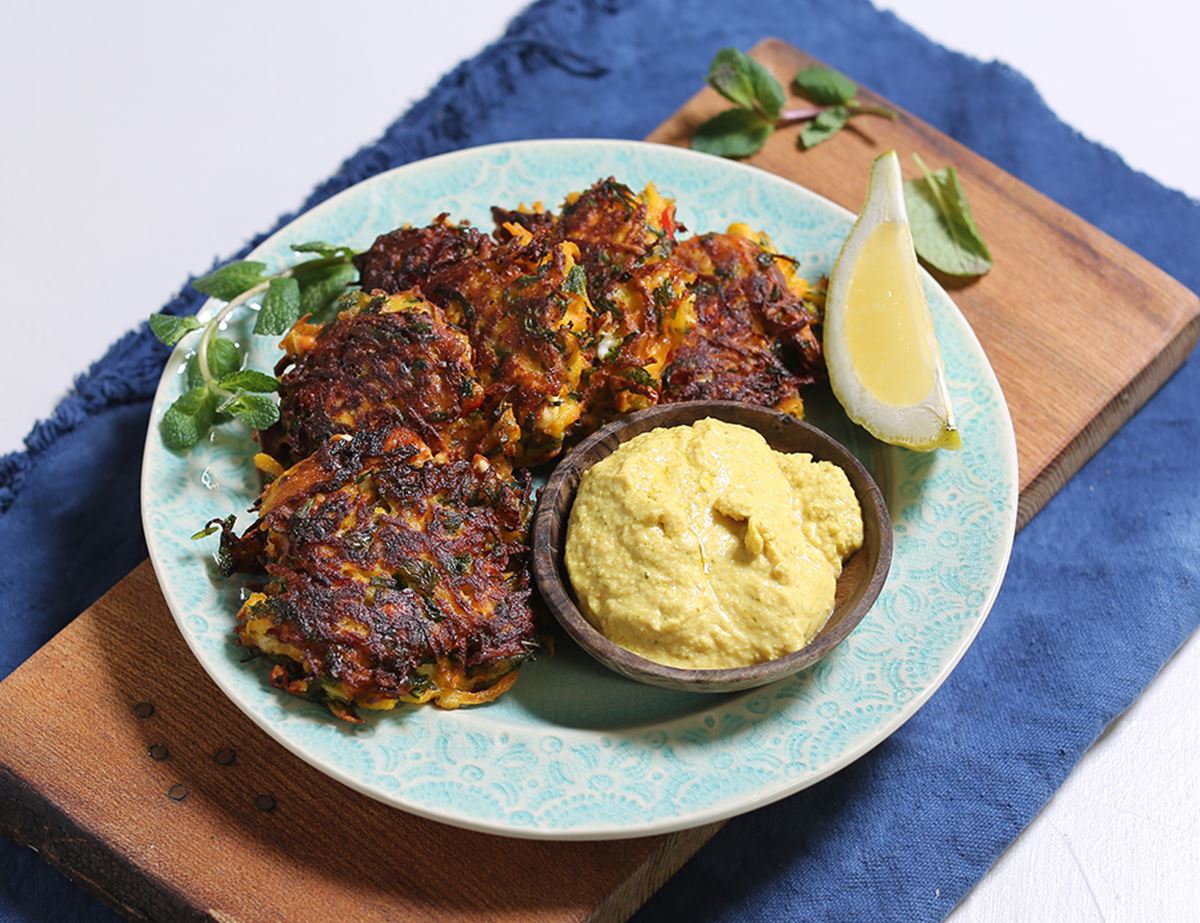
884 363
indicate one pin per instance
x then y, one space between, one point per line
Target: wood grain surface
1080 330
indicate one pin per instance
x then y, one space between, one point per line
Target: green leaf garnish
745 82
231 280
171 329
827 124
189 419
222 390
824 85
944 231
733 133
223 359
328 251
759 100
254 410
280 308
250 380
321 286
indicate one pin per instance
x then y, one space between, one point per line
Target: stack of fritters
395 545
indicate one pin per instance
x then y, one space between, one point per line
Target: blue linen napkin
1103 586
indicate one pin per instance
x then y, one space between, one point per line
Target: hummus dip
701 547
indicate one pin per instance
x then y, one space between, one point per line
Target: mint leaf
231 279
188 420
171 329
745 82
250 380
280 308
254 410
824 85
943 229
827 124
733 133
320 285
328 251
224 358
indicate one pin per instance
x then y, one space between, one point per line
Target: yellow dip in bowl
701 547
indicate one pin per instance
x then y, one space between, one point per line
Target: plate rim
605 831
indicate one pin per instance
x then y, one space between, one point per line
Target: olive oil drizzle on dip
701 547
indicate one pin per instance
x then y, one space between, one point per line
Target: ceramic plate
574 751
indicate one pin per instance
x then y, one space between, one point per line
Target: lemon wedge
884 363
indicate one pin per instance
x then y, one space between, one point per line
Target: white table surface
119 117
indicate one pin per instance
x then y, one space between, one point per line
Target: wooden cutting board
123 764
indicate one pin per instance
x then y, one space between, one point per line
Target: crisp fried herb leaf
280 308
827 124
824 85
224 358
250 380
943 228
188 420
745 82
231 280
171 329
733 133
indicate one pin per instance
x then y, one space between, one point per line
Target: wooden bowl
862 576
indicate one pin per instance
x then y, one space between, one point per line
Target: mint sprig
219 389
759 98
943 228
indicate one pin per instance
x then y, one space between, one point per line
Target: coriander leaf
824 85
733 133
250 380
321 286
223 359
280 308
640 376
254 410
231 279
328 251
827 124
188 420
576 281
745 82
943 229
171 329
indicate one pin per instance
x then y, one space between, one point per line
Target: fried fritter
383 362
526 311
393 577
396 546
641 299
754 339
406 257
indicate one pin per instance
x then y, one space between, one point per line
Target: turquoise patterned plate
574 751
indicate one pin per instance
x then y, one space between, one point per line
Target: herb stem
799 114
211 328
